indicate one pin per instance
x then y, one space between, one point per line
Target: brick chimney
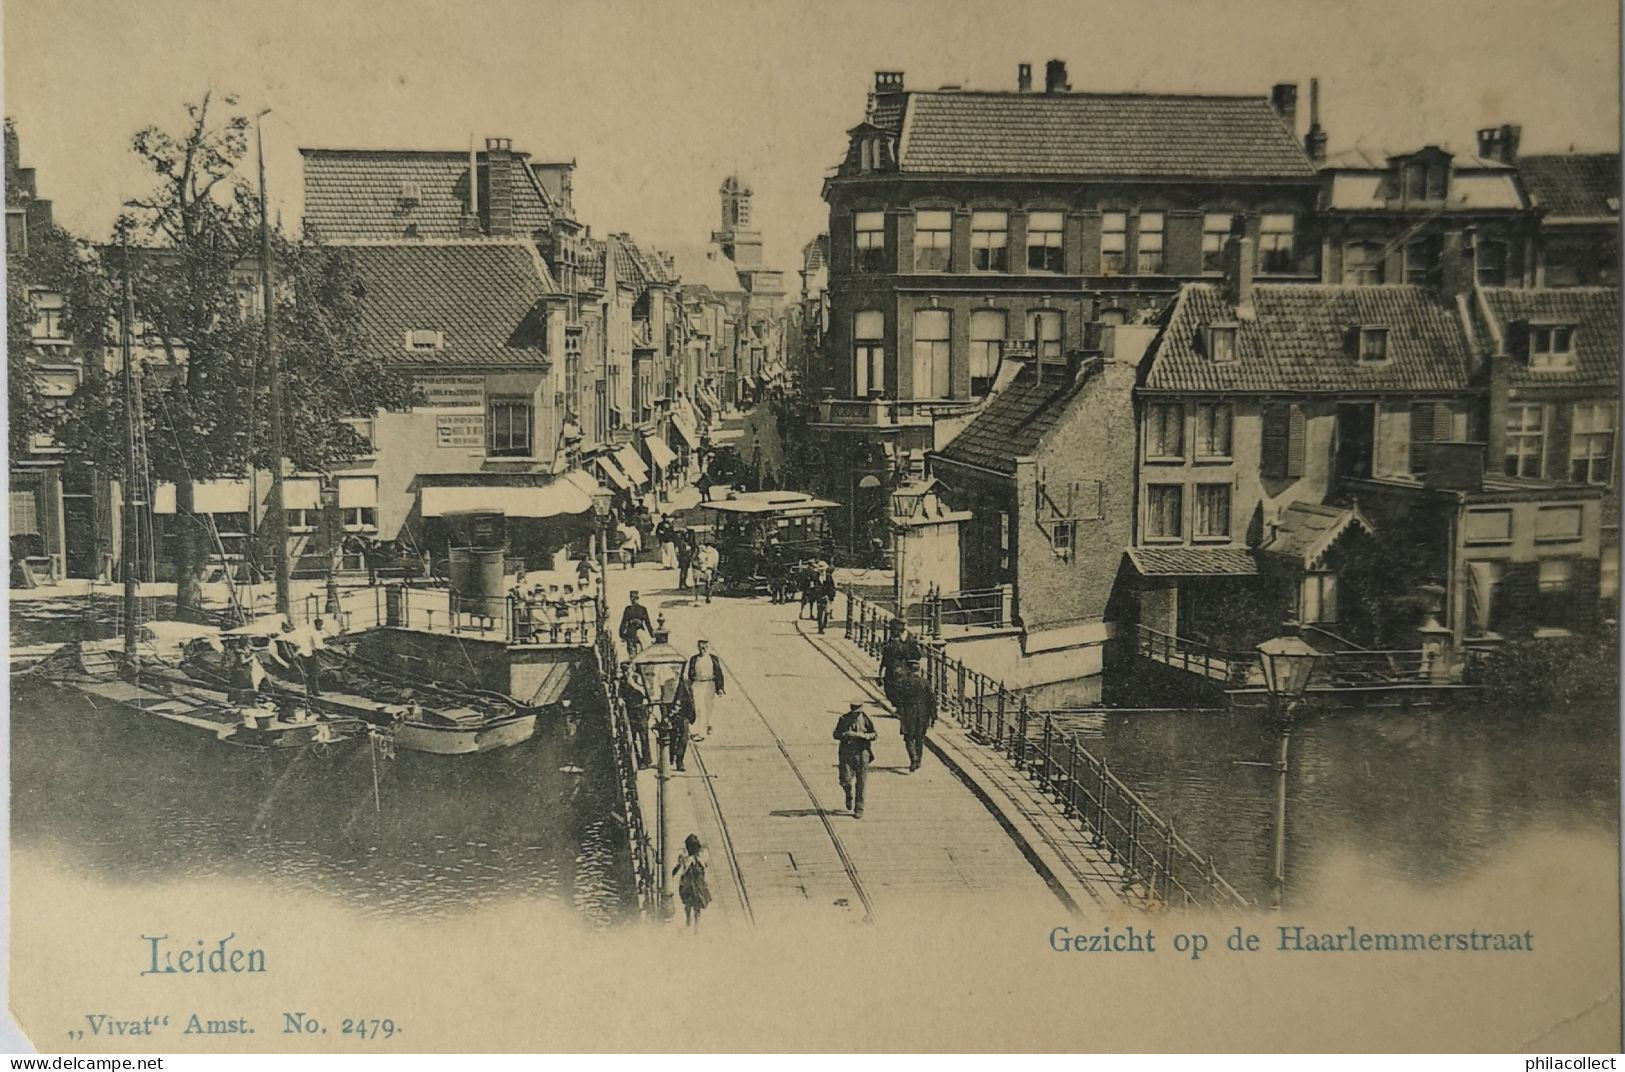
499 186
1055 77
888 84
1500 143
1314 142
1284 99
1024 78
1238 269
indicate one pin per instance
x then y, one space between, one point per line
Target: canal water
1426 797
128 801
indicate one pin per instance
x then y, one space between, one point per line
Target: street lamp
602 497
1288 662
661 668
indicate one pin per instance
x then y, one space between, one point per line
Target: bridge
1005 807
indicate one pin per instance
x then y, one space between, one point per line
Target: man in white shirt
704 676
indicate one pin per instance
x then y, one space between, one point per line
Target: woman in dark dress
691 886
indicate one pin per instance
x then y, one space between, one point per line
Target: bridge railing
629 816
1153 857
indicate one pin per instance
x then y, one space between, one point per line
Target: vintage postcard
734 526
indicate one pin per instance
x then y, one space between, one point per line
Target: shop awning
659 453
302 494
607 466
559 497
685 428
627 458
220 497
358 491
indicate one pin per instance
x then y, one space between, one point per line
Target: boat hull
452 740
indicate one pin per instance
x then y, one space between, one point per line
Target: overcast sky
658 101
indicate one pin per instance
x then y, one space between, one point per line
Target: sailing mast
279 521
127 526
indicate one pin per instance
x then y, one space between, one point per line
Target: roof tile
1573 184
1594 311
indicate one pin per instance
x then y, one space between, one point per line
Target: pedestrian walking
703 674
899 654
666 534
917 712
824 593
685 556
634 623
692 889
636 697
706 563
855 734
678 700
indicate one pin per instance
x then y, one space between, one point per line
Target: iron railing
570 623
640 849
1154 859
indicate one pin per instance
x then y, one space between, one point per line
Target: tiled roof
1363 158
1013 422
708 266
1304 339
636 266
481 295
1594 311
1573 184
1099 134
815 254
594 257
357 194
1307 530
1193 561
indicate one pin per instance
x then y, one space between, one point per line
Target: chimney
1489 143
1314 142
1055 77
1511 134
1458 264
1238 269
1024 78
888 84
499 186
1284 99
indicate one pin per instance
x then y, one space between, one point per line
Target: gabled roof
481 295
357 194
594 258
1595 313
636 266
1302 339
1573 184
1308 530
709 267
1013 422
1105 134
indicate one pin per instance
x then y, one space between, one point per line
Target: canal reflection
133 802
1428 796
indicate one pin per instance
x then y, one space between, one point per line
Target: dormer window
423 340
1551 346
1373 345
411 193
1221 344
1426 178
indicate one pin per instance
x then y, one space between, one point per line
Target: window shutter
1295 443
1444 422
1517 339
1423 432
1273 442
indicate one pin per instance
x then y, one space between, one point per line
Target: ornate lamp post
660 666
1288 661
602 497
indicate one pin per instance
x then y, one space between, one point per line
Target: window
1319 598
1416 182
1438 182
1150 244
931 353
1551 346
1044 329
1275 242
1281 447
1113 242
1164 511
1215 229
1591 443
1165 431
1212 520
1373 345
48 326
1492 264
1559 524
870 229
1483 585
1213 421
423 339
1555 603
1221 344
987 330
509 435
1004 540
1063 538
358 503
868 353
1044 250
1420 257
989 241
933 240
1526 440
1362 264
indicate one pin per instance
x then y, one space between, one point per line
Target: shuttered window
1430 423
1282 446
24 513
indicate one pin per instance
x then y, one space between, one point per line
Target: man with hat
633 619
916 711
899 655
856 734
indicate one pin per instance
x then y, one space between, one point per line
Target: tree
194 270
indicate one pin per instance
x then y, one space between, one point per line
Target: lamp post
661 667
1288 661
601 499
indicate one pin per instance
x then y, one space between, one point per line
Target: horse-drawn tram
760 532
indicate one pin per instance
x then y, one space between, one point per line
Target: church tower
738 238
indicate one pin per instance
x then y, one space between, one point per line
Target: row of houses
537 348
1193 375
